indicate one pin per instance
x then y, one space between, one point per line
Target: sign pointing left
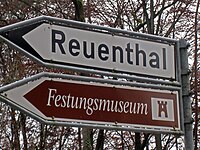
96 105
14 36
37 36
76 45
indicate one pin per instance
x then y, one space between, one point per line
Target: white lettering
89 109
57 99
95 104
50 96
126 105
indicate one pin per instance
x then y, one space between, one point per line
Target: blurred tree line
167 18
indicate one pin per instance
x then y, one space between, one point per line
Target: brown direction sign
97 105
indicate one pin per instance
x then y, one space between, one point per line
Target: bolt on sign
67 43
97 105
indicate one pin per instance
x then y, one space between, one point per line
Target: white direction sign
64 45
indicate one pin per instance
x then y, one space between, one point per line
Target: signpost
56 100
147 62
66 43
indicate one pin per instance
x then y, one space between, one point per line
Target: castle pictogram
162 108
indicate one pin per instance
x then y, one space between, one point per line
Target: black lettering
115 48
74 45
138 52
91 55
103 51
129 51
59 41
154 63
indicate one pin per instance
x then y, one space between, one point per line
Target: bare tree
169 18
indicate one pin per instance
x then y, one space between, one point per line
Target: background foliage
168 18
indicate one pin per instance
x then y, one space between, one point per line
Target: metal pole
186 95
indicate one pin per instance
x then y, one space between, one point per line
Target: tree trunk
158 141
151 17
23 126
79 139
100 140
137 141
79 12
42 136
87 139
145 141
87 133
15 131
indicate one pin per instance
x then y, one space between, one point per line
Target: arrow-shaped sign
55 42
40 40
96 105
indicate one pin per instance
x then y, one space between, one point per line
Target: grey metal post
186 95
